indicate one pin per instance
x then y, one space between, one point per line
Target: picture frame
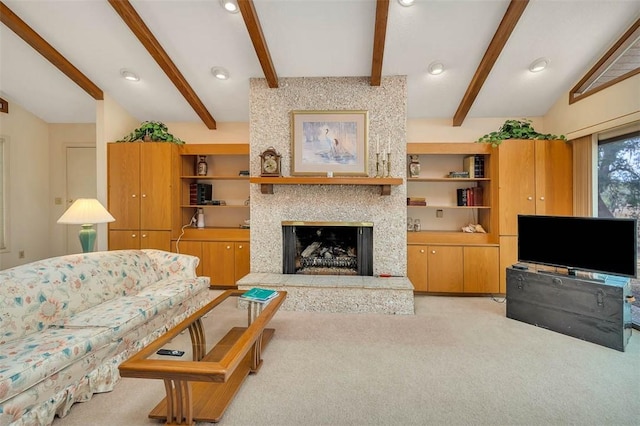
329 143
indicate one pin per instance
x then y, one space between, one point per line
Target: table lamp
86 212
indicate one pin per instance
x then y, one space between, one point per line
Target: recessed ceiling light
220 73
436 68
230 6
129 75
406 3
539 64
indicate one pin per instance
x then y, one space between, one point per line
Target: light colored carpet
457 361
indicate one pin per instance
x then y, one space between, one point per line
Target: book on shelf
468 197
200 193
474 165
416 201
458 174
257 294
462 196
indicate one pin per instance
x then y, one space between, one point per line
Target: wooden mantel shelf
266 183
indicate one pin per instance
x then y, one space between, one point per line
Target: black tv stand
595 311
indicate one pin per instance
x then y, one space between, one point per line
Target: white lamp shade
86 211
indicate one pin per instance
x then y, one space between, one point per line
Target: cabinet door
219 263
193 248
481 270
554 178
124 240
417 267
160 240
242 260
155 186
516 183
508 256
123 190
444 269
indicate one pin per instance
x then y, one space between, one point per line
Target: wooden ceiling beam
379 36
508 23
33 39
149 41
248 11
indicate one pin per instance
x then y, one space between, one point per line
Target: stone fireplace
270 125
327 248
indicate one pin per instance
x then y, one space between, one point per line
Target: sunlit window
619 176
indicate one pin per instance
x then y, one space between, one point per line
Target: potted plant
151 131
516 129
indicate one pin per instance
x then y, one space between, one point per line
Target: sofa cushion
170 265
38 294
26 361
123 314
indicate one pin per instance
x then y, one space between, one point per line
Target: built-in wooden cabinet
441 258
140 197
223 243
230 187
535 177
139 239
225 262
453 269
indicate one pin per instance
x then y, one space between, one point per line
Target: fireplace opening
327 248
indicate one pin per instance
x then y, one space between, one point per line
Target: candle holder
379 172
384 167
388 169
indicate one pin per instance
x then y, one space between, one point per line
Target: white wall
612 107
62 136
28 187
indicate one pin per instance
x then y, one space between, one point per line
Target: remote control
171 352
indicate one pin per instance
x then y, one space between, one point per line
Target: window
619 176
619 186
619 63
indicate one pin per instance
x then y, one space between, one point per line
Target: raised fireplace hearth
327 248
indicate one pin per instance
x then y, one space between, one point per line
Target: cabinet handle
228 247
240 246
433 252
529 198
144 195
144 235
541 198
421 250
133 235
133 195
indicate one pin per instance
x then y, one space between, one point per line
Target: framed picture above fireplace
329 143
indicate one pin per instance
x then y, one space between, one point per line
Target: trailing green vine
151 131
516 129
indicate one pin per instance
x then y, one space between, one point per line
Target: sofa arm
169 264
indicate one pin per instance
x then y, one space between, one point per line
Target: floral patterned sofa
67 322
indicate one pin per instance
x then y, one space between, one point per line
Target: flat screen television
604 245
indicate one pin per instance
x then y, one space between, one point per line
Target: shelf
215 149
450 238
385 184
216 234
452 207
206 206
208 177
449 180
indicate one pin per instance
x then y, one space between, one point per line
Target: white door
81 183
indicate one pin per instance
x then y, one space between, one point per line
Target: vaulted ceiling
486 47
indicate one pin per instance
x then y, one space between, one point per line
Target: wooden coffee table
201 383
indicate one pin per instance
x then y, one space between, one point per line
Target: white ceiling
306 38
